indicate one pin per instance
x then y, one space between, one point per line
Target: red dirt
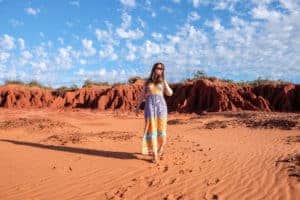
195 96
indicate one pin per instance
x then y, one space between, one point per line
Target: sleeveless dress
155 115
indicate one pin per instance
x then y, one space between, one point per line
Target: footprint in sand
172 180
166 168
119 193
213 182
184 171
150 182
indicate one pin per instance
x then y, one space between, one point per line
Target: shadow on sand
93 152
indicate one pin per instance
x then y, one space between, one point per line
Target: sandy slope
81 154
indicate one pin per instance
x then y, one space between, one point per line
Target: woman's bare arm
168 90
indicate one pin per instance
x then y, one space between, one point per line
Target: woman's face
159 69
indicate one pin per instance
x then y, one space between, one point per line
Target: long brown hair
153 78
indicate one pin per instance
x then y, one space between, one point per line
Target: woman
155 112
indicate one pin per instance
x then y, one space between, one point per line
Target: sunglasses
160 68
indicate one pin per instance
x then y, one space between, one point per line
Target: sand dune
82 154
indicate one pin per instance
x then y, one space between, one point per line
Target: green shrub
89 83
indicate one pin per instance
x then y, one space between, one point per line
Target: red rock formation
194 96
281 97
206 95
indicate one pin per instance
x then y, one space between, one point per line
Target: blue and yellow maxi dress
155 115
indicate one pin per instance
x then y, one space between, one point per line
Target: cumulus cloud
32 11
125 32
88 50
193 16
4 56
106 36
74 3
262 12
157 36
130 34
16 23
130 3
131 51
7 42
215 24
110 76
196 3
108 52
66 57
21 43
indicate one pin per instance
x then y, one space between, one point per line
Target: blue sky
66 42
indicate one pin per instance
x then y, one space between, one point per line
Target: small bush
89 83
134 79
30 84
118 83
14 82
61 91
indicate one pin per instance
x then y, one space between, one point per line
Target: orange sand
83 154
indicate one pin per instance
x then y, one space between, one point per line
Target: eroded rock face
205 95
194 96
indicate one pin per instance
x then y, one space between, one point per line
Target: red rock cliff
194 96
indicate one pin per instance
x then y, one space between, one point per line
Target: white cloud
60 40
80 72
129 3
74 3
89 50
148 7
116 74
103 35
125 32
150 49
215 24
108 52
65 57
132 51
291 5
130 34
142 22
225 5
106 36
40 66
196 3
21 43
82 61
16 23
126 20
42 35
26 55
157 36
262 12
40 52
4 56
69 24
7 42
102 72
193 16
32 11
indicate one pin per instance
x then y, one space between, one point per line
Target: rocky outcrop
194 96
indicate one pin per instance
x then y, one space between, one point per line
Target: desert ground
86 154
